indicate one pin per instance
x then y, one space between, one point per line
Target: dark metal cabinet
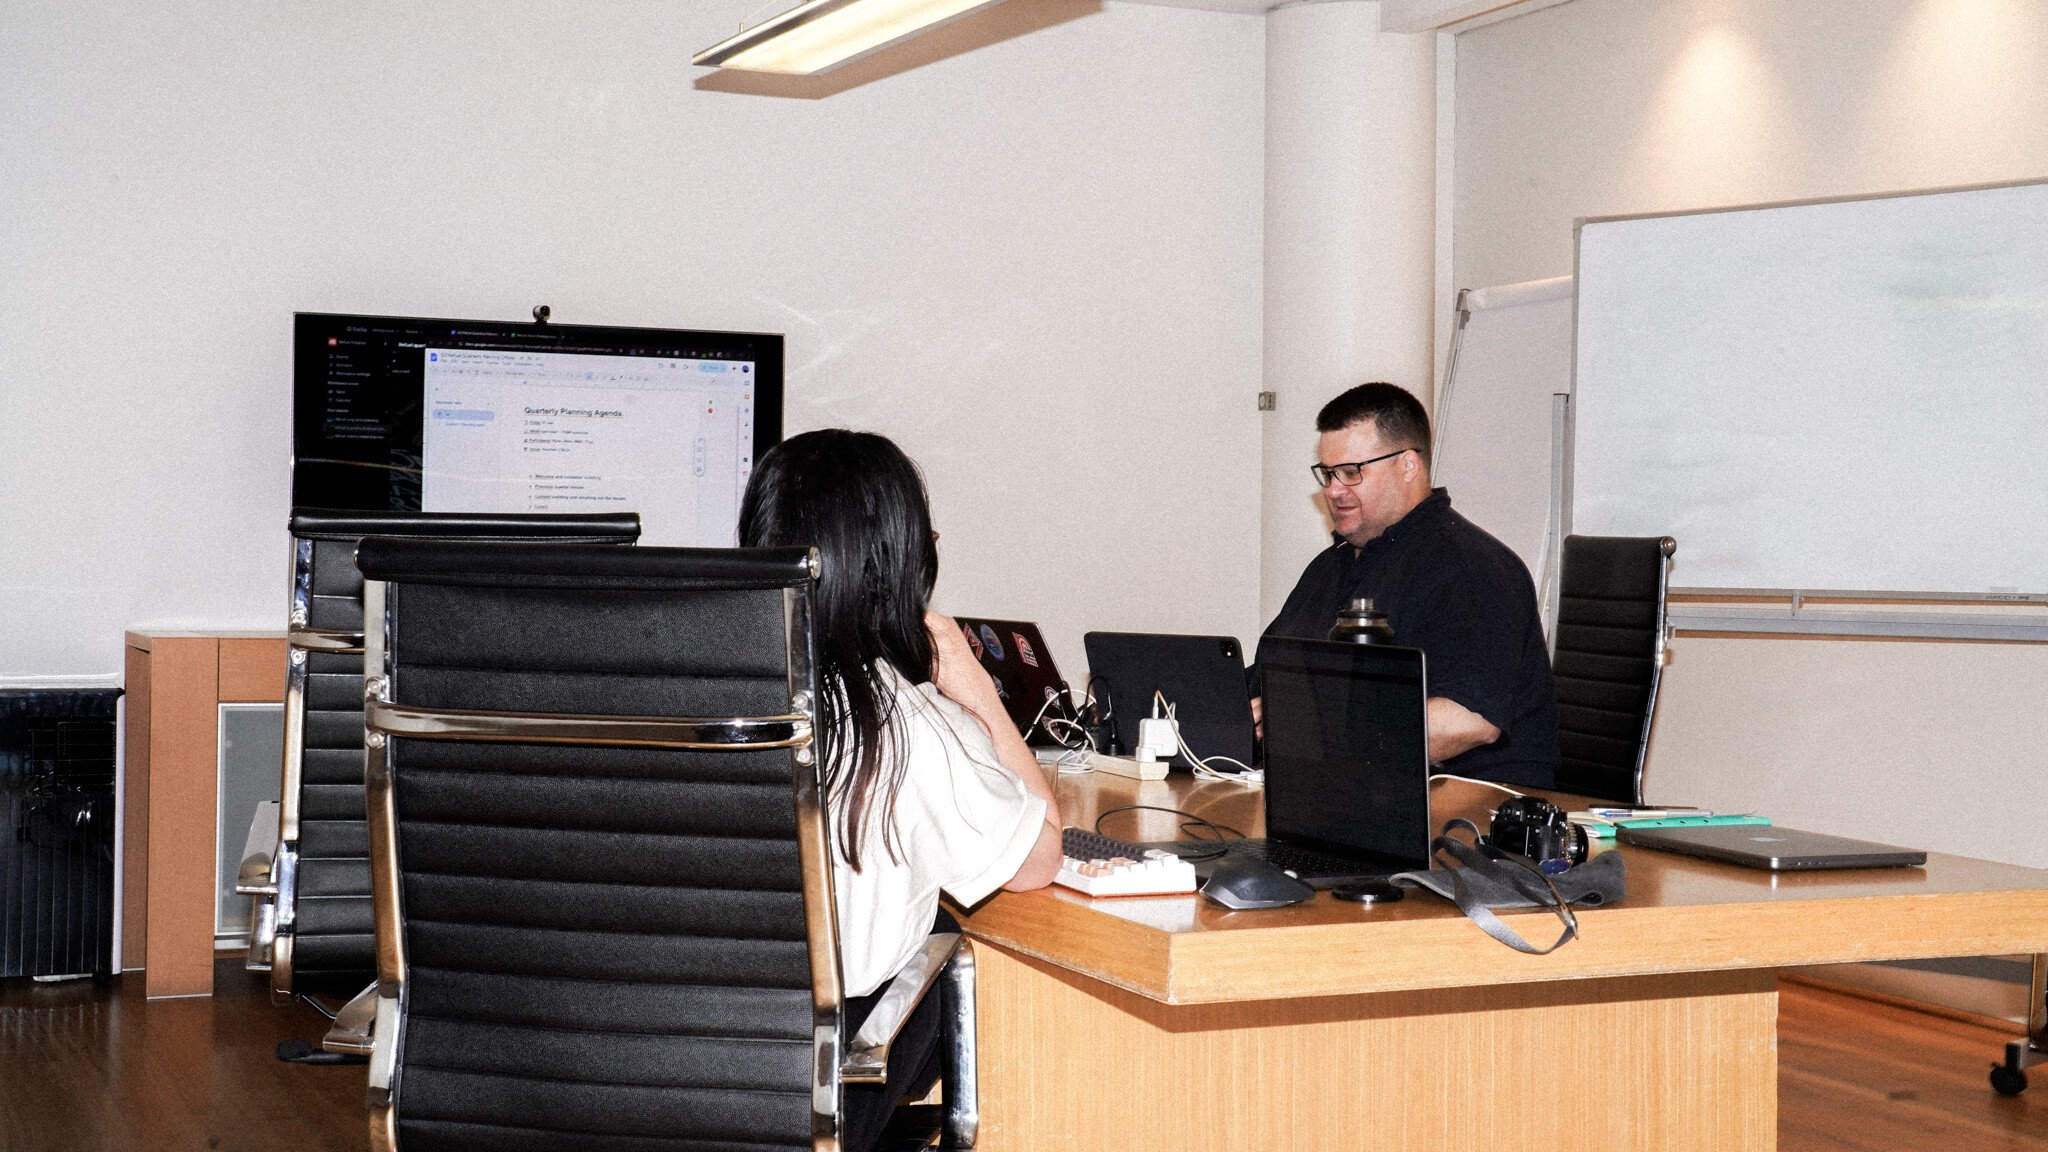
57 850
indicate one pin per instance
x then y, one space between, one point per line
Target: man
1446 586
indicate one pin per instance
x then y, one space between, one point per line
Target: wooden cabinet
176 683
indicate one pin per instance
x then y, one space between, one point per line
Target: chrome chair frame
271 878
2010 1078
863 1059
1661 656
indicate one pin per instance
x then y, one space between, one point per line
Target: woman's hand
957 675
960 678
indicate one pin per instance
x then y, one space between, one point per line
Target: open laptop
1201 676
1347 762
1776 849
1016 658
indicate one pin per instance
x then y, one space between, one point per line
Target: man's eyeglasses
1348 474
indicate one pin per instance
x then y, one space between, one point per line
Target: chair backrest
322 940
599 849
1608 658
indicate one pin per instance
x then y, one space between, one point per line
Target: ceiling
1395 15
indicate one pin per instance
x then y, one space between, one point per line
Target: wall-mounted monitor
395 413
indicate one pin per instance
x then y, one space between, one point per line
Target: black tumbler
1362 624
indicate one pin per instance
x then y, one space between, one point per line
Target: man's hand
1455 729
1259 717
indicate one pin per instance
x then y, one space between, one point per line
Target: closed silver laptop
1776 849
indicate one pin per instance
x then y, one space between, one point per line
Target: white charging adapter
1158 739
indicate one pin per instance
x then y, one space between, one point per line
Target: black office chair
1608 656
600 858
306 865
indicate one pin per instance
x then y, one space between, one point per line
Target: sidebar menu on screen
356 445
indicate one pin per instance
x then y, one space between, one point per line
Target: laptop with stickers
1016 658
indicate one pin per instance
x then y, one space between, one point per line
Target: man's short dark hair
1395 413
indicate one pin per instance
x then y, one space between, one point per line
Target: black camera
1537 830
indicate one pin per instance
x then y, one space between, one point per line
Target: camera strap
1479 878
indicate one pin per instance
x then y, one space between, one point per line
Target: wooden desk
1170 1023
176 683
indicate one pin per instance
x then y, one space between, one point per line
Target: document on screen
517 431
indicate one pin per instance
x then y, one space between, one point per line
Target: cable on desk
1053 724
1223 832
1083 742
1246 775
1474 780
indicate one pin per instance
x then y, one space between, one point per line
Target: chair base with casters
2010 1077
601 865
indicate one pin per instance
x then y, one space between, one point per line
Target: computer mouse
1248 882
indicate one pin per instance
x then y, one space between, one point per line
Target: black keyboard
1081 844
1301 861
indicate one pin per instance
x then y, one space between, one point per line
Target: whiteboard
1513 356
1848 395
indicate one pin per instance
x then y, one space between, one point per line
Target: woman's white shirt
962 824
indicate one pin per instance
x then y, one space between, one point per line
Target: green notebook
1606 831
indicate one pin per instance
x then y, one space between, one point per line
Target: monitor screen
405 414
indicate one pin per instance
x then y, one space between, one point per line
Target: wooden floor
86 1068
1859 1076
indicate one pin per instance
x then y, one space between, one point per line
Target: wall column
1350 248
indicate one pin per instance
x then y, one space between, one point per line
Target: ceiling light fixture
820 35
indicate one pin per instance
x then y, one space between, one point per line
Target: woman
930 788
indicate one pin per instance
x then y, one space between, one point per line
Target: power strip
1082 760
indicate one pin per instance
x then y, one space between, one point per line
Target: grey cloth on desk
1598 881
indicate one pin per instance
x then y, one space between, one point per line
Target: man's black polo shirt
1466 600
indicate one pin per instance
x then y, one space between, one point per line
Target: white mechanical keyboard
1100 865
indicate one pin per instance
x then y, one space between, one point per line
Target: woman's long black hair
857 499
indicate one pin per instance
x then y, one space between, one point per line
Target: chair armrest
259 852
867 1055
383 1046
325 640
355 1026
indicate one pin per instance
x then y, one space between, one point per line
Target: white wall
1604 107
1035 262
1349 243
